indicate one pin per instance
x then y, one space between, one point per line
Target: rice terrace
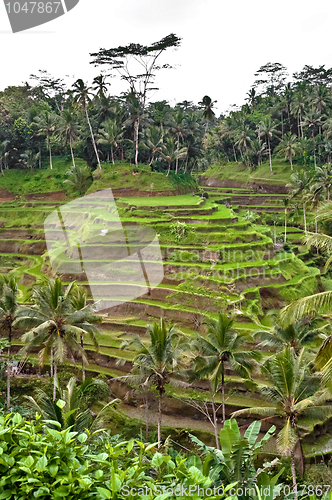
165 288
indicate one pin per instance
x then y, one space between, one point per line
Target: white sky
224 42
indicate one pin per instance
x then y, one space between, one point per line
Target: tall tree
47 123
293 393
8 311
109 135
267 128
137 64
81 96
287 147
67 129
221 347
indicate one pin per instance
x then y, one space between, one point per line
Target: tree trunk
215 423
83 367
275 233
147 420
136 127
304 219
112 155
291 162
285 226
72 154
92 136
51 368
268 142
301 125
159 419
169 168
223 394
9 368
177 159
54 379
49 147
234 153
40 155
1 168
294 473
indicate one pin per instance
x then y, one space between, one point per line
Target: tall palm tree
297 108
287 147
177 126
157 360
267 128
67 129
81 96
8 311
243 140
208 113
300 182
258 149
109 135
312 120
72 410
294 393
47 124
323 178
100 85
286 202
54 324
221 347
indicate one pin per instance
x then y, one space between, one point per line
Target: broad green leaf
252 432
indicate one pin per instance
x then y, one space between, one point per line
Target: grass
238 172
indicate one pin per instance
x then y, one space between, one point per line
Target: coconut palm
171 153
323 179
243 140
153 141
208 113
293 393
82 97
258 149
287 147
158 360
30 159
267 128
286 202
55 325
109 135
295 336
297 108
78 177
8 311
72 409
67 130
222 346
47 124
99 85
300 182
312 120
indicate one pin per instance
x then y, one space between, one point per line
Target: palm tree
109 135
295 336
297 107
100 85
78 177
312 120
54 324
156 361
81 96
8 311
323 179
67 129
294 393
135 116
47 123
319 302
72 410
171 153
243 137
153 141
208 113
287 147
286 202
252 97
30 159
177 126
300 182
258 149
267 128
221 347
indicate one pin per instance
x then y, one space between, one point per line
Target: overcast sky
224 42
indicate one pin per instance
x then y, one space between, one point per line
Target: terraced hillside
213 258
